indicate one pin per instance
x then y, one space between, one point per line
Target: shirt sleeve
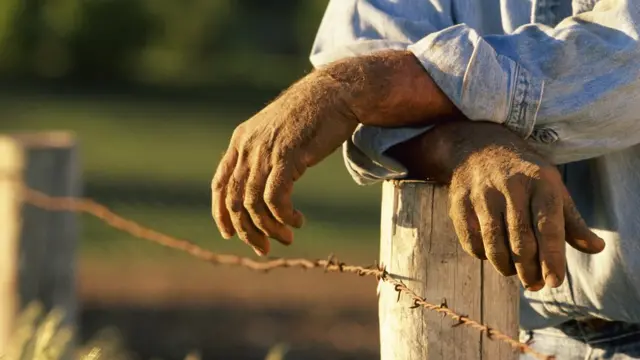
572 90
359 27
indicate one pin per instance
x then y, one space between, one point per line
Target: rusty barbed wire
88 206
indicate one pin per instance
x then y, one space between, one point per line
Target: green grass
156 148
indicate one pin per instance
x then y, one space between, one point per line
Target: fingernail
534 287
552 280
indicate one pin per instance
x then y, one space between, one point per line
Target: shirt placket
548 12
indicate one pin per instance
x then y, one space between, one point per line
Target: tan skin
508 205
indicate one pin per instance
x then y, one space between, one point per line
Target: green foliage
164 42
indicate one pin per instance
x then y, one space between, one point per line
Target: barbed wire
88 206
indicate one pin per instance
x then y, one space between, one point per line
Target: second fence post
37 247
419 247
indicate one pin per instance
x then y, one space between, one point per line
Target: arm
251 190
360 27
587 66
573 91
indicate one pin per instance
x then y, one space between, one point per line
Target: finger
257 208
241 220
219 183
250 234
549 225
466 225
577 233
490 208
522 239
277 196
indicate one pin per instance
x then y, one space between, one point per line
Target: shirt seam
524 105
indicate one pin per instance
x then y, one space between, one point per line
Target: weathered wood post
419 247
37 247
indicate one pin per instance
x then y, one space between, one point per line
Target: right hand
253 184
508 204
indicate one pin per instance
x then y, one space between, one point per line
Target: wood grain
420 248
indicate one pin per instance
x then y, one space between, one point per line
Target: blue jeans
597 340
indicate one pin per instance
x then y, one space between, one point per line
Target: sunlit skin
508 204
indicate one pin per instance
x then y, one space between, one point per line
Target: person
529 110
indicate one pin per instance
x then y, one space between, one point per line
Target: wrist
429 157
329 94
438 153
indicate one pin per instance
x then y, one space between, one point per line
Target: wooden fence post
419 247
37 247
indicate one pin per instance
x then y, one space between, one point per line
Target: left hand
508 204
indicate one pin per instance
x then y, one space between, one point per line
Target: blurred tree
9 13
176 51
111 32
160 42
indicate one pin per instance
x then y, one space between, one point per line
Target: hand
251 189
507 203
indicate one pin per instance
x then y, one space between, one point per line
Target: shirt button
545 136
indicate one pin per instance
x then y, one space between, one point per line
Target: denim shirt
563 74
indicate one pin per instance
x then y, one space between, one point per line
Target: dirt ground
168 310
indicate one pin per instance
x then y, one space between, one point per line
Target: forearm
391 89
572 89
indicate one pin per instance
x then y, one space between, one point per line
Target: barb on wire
88 206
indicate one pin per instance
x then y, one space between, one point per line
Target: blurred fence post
37 247
419 247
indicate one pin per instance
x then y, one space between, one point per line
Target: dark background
153 89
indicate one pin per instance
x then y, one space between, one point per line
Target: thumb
577 233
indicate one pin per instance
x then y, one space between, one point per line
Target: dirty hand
251 189
507 203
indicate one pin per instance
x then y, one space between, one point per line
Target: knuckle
237 132
485 195
524 249
519 227
235 205
253 204
551 200
550 228
217 185
489 226
553 252
280 153
458 201
494 252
